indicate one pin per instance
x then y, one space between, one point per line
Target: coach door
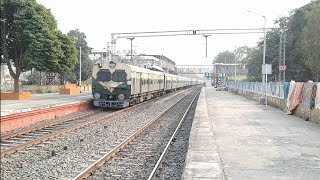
149 82
165 82
140 82
159 81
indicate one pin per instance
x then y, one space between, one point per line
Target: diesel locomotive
119 85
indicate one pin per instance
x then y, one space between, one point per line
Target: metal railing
278 89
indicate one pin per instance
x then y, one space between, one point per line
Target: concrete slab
41 101
202 161
202 170
256 142
21 113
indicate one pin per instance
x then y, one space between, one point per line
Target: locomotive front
111 85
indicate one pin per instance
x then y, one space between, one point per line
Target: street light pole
264 76
107 53
206 36
235 68
264 61
284 55
132 38
80 70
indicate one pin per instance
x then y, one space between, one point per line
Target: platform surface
235 138
42 101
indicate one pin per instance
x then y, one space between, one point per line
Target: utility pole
280 55
280 62
108 50
235 68
132 38
113 47
264 76
206 36
264 60
284 55
80 69
225 71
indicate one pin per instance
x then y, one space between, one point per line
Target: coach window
104 75
119 76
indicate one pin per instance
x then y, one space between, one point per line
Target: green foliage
86 63
30 31
224 57
311 41
31 39
68 59
295 59
241 54
302 29
254 61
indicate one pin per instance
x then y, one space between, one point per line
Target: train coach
118 85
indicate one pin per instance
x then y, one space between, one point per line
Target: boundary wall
23 119
300 99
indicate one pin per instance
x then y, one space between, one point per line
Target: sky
99 18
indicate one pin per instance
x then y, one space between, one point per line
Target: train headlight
121 97
97 96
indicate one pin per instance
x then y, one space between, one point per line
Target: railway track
11 143
45 125
23 139
136 156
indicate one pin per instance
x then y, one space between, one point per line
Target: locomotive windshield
119 76
104 75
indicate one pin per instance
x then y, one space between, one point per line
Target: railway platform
233 137
14 113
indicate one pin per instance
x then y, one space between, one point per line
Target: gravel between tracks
18 140
174 162
137 160
61 157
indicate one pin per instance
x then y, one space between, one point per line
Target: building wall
158 60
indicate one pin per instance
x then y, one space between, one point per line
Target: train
119 85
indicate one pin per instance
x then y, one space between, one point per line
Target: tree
302 64
86 63
311 41
241 54
224 57
30 38
68 60
295 58
254 57
254 62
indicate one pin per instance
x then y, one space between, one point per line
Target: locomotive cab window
119 76
104 75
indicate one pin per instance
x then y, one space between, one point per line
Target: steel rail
165 151
63 131
53 135
8 136
58 133
87 172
